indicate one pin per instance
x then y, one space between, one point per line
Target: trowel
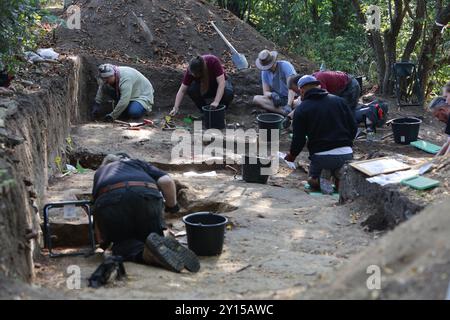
239 60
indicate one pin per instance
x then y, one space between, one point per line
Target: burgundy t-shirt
215 70
332 81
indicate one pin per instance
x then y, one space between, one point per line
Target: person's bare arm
220 90
267 91
168 189
180 95
291 98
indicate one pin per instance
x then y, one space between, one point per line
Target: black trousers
126 217
194 92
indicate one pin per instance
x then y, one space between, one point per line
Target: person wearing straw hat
130 89
441 111
275 73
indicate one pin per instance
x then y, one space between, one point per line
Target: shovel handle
224 39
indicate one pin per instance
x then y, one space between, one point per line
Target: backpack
373 115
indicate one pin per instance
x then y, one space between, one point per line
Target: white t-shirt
336 152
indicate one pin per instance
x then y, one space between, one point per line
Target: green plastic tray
426 146
420 183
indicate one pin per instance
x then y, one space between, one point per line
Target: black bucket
270 121
205 233
251 169
406 130
214 118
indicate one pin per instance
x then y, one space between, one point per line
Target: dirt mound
414 261
177 30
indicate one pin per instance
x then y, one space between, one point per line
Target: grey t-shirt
277 80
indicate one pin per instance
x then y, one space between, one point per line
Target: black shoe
169 254
190 259
156 252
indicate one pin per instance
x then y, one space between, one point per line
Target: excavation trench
279 239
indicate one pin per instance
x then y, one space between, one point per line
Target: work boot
325 182
168 253
190 259
157 253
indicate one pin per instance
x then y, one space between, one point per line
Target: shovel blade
239 61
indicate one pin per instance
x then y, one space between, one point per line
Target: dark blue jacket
326 120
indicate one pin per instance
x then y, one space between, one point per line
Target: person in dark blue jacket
327 125
129 199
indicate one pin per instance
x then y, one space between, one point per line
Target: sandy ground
279 237
280 242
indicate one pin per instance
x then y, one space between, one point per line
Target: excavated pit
279 238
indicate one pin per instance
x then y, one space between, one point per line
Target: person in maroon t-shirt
205 79
335 82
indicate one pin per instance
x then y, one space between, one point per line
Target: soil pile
167 32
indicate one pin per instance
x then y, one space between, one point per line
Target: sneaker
190 259
156 252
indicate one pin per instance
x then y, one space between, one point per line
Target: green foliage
329 31
18 29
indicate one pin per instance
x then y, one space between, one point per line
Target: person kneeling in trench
329 126
129 199
130 90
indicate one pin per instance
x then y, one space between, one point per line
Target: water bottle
370 135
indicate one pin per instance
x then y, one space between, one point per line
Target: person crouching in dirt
131 91
340 84
330 127
441 111
204 79
129 199
275 73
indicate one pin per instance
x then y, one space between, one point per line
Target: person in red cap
329 127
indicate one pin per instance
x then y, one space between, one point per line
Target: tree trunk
390 45
315 11
375 41
417 30
339 18
430 45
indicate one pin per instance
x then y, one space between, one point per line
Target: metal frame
414 84
47 230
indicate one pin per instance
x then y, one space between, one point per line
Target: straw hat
266 59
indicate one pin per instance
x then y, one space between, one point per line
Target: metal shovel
239 59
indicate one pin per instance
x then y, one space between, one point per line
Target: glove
109 118
173 209
95 110
286 123
276 99
286 109
289 157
